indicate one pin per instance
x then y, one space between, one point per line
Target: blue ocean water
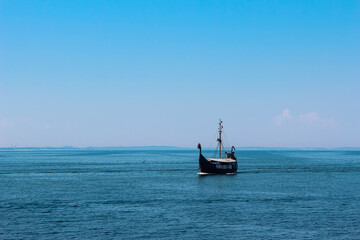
157 194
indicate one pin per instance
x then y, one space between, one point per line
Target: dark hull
215 167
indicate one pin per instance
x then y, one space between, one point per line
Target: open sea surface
96 194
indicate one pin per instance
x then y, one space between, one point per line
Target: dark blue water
157 194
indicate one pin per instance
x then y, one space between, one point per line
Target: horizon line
164 147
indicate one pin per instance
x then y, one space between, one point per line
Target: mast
219 139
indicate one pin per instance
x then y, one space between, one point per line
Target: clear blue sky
132 73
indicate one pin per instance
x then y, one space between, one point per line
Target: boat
225 164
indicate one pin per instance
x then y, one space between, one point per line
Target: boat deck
225 160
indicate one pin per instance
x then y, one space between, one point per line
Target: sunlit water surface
158 194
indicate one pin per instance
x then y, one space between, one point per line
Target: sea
103 194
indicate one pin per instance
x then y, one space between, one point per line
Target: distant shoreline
172 148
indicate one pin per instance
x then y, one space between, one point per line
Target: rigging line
224 149
226 141
215 152
211 142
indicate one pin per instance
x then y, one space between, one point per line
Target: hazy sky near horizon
134 73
